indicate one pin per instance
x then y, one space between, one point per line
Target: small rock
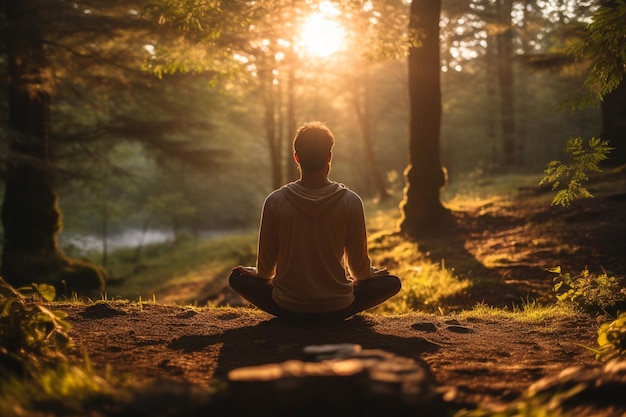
187 314
460 329
425 327
101 310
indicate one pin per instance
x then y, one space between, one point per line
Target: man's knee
247 283
388 284
236 281
395 285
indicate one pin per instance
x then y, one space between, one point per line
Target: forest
153 113
139 140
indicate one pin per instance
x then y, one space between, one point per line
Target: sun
321 36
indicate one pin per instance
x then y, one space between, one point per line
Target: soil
486 360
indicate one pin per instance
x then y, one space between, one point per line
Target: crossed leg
368 293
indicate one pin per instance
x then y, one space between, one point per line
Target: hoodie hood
313 202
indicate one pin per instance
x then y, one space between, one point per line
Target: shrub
593 294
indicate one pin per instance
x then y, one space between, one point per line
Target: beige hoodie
313 243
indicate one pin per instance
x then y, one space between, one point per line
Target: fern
584 158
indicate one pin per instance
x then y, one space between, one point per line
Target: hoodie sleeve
267 249
358 260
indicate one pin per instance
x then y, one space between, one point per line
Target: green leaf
556 269
46 291
583 159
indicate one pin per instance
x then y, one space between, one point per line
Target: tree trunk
491 66
505 79
30 214
613 107
360 98
291 170
422 208
269 97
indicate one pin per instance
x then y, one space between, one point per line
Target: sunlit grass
528 311
425 284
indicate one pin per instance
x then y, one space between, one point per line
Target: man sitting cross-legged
312 258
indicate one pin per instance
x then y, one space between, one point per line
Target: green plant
35 373
30 334
44 291
584 158
612 339
594 294
605 48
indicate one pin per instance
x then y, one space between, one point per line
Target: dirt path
489 361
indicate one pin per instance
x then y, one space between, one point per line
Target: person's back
315 227
312 253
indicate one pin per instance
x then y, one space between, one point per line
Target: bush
593 294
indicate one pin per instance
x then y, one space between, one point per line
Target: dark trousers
367 294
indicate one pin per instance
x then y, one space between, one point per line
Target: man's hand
376 272
246 270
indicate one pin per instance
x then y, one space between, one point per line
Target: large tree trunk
422 208
30 214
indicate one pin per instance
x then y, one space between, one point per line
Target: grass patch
424 283
529 311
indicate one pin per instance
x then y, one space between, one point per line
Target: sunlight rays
322 35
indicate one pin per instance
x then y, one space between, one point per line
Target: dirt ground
488 361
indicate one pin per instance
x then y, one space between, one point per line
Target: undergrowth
594 294
35 372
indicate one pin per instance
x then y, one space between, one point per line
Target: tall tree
88 56
30 214
422 209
